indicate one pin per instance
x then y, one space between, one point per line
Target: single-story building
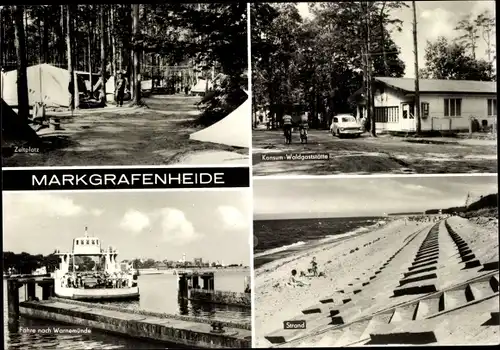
446 105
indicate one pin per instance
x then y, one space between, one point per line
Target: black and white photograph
374 87
376 261
127 270
114 84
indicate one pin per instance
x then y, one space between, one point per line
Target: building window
452 107
492 107
386 114
424 109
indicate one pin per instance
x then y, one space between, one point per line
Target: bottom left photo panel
111 270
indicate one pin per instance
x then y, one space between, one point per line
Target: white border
250 188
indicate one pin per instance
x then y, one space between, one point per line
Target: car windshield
348 119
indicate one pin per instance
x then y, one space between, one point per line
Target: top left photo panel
124 85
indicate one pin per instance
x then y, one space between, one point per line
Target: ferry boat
92 273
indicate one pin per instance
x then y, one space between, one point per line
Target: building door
407 120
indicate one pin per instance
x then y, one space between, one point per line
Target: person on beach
314 267
294 281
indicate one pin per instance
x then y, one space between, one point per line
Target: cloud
232 218
45 204
97 212
438 22
135 221
176 228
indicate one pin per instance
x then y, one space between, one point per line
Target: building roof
438 85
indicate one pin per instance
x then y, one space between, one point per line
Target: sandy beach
344 259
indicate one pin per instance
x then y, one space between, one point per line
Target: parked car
344 125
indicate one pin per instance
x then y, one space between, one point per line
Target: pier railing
228 324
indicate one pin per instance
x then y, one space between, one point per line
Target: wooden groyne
159 327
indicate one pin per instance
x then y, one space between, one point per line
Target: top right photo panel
374 87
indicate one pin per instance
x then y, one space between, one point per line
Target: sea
158 293
276 239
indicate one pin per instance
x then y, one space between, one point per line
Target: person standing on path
120 89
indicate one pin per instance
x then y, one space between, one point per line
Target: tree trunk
417 87
22 79
62 42
371 114
45 37
382 39
135 48
90 32
3 48
73 88
103 54
113 42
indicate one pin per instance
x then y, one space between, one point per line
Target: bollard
13 304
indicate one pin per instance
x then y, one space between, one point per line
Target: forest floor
156 134
384 154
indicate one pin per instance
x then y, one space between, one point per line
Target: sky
434 19
345 197
213 225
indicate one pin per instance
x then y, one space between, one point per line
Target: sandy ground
156 135
367 155
275 302
343 261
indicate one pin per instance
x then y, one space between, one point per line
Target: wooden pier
159 327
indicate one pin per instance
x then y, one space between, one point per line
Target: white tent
46 83
233 130
201 86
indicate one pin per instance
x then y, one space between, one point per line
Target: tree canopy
450 60
319 62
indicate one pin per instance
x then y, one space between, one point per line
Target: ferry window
87 241
93 241
76 242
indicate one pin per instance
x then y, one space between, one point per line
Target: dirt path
157 135
368 155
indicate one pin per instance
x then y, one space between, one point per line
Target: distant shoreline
267 256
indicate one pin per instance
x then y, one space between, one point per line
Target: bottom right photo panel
376 261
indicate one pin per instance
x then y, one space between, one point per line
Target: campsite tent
46 83
233 130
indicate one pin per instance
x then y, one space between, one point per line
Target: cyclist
287 127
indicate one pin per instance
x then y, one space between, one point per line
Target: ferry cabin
446 105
